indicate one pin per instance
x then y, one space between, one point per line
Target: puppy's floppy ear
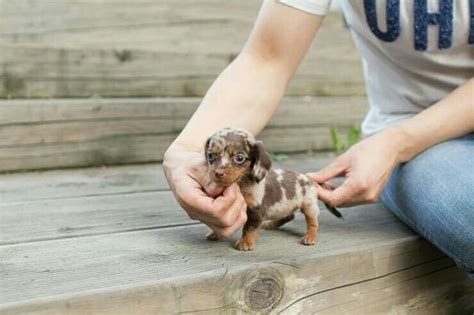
206 147
262 161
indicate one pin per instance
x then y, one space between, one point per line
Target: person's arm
249 90
245 95
368 165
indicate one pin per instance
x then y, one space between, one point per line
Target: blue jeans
434 195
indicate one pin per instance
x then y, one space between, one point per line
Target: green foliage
280 157
353 135
336 140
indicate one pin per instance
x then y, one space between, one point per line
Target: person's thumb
202 177
327 173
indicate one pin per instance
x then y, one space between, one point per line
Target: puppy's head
233 154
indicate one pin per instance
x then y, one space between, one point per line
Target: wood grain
122 250
100 181
81 215
43 134
71 203
150 49
176 270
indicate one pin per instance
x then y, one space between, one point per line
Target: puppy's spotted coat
272 195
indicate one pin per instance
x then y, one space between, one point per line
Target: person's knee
430 194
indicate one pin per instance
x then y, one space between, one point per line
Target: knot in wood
264 293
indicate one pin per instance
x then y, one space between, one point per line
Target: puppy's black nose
219 173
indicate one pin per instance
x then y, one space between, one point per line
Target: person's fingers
193 199
368 196
190 192
197 204
325 190
341 194
351 193
352 203
225 201
226 232
334 169
199 175
239 223
229 216
222 210
324 194
200 206
328 186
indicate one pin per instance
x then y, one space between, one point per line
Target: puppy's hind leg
310 212
275 224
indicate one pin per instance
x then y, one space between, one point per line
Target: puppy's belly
281 210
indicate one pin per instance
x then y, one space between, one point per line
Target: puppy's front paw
244 245
308 239
211 236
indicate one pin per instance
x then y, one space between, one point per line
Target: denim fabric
434 195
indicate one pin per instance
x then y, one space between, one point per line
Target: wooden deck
151 48
114 241
57 133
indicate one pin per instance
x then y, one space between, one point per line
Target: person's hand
366 167
223 209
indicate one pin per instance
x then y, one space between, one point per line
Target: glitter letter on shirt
393 19
471 33
423 19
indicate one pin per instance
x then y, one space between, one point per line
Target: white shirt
414 52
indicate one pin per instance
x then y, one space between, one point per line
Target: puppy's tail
334 211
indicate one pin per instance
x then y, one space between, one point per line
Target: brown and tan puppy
272 195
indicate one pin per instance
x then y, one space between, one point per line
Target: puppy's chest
253 194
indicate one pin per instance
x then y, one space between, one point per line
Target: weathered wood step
103 181
96 201
115 249
162 48
369 267
59 133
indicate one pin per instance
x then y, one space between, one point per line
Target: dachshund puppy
272 195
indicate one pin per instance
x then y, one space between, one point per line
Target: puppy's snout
219 173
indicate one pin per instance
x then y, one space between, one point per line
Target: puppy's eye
211 157
239 158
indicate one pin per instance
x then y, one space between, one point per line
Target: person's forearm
245 95
449 118
249 90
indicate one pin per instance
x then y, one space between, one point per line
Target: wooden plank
175 270
205 27
88 73
293 111
137 252
152 49
115 150
129 148
434 288
79 216
167 241
88 182
73 24
44 134
63 218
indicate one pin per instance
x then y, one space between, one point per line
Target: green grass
353 135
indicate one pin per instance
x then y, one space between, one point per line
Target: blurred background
102 82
